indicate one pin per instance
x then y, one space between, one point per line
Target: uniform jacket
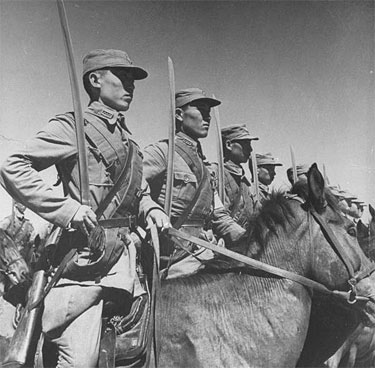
239 200
56 145
184 187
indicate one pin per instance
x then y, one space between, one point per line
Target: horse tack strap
335 243
253 263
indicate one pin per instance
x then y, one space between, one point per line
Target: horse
12 265
14 273
239 317
359 349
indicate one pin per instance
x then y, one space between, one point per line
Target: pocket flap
185 177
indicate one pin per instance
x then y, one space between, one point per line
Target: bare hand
85 219
159 218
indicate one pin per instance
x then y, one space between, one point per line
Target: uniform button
186 179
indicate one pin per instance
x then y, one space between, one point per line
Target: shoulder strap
182 150
126 173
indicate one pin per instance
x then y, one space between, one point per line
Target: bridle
8 270
350 296
354 277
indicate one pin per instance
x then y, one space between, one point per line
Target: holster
132 331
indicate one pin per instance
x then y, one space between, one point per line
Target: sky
297 73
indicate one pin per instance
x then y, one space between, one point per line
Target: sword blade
294 167
255 175
171 138
79 126
220 156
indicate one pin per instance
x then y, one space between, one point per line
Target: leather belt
129 221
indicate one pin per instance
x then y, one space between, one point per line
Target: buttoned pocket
184 187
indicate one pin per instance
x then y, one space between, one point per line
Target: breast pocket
184 186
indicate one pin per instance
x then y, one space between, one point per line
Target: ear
316 188
228 145
372 211
179 113
94 79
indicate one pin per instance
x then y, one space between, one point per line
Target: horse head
338 261
12 264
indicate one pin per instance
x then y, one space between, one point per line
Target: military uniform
239 199
72 312
265 160
191 176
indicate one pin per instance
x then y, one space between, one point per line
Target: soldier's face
266 174
116 88
196 120
240 151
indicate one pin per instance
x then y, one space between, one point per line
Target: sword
325 175
255 175
79 126
294 168
171 137
220 156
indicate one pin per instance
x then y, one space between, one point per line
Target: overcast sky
297 73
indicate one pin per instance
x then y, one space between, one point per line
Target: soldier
20 229
302 171
194 200
73 309
239 200
266 165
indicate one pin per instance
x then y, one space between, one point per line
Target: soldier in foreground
239 200
73 309
196 206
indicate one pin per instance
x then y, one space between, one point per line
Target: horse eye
352 231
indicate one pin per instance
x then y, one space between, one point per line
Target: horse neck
290 246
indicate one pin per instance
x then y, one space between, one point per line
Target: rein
350 296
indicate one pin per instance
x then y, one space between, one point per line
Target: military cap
301 169
335 191
267 159
189 95
345 194
236 133
359 202
99 59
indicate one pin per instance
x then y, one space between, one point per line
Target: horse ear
372 211
316 188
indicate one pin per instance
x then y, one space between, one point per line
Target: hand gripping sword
220 156
171 143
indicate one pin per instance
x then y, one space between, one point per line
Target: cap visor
209 101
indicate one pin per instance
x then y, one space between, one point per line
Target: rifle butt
25 337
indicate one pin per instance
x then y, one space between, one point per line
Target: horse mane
275 211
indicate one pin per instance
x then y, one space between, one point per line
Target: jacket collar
109 115
236 170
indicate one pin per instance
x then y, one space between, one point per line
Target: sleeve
154 161
20 177
223 225
154 165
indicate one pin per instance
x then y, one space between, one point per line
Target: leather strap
331 237
264 267
126 170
